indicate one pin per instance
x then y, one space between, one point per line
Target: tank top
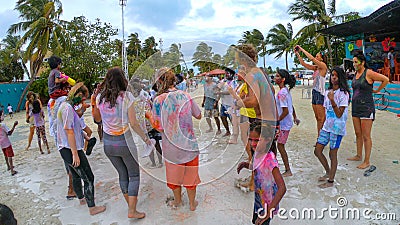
318 82
362 100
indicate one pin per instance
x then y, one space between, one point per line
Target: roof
383 22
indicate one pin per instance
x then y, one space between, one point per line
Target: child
57 83
336 103
38 117
268 181
10 110
6 144
284 106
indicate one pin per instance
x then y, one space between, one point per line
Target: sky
180 21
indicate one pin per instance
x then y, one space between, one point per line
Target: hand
75 160
15 123
147 114
148 142
242 165
260 221
296 121
202 104
331 95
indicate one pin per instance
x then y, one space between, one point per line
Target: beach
37 194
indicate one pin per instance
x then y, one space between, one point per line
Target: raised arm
135 124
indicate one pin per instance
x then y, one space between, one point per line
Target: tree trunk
287 66
22 97
328 42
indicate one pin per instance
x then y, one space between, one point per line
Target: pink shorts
283 136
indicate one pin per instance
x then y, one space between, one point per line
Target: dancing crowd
244 100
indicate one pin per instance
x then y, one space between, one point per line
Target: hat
76 87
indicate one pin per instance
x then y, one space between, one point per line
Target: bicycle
381 99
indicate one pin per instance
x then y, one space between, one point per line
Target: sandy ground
37 193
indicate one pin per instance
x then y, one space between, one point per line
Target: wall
10 93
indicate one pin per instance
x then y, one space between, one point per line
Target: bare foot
13 172
136 215
41 152
218 132
96 210
227 134
363 165
287 173
355 158
209 130
48 151
325 185
323 178
174 205
27 148
82 201
232 142
194 205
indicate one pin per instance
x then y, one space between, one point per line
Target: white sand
37 193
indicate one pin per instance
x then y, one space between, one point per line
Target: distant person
320 69
30 98
99 124
38 116
391 64
284 104
336 105
7 216
6 144
227 103
210 104
363 106
10 110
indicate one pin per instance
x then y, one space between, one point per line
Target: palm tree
255 38
43 31
13 53
134 44
149 47
281 40
202 57
318 16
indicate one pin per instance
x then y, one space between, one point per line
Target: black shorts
154 134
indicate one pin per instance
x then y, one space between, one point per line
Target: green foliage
281 40
91 52
40 87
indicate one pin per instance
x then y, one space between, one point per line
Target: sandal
90 145
368 172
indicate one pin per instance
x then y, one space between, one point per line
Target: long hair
265 131
289 79
343 85
113 84
167 79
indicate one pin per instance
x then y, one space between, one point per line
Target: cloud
206 12
7 18
158 13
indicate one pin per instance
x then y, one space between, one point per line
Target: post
122 3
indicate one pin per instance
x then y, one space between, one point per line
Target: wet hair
167 79
360 56
54 61
324 57
36 107
289 79
249 50
343 85
113 84
7 216
265 130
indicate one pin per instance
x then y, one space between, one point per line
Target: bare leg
96 210
285 159
209 125
218 125
235 127
366 126
132 212
359 139
224 120
71 192
319 113
8 164
177 197
100 131
321 157
244 132
192 198
40 143
30 137
334 163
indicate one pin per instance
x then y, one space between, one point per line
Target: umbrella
212 73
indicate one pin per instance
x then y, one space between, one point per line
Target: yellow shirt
248 112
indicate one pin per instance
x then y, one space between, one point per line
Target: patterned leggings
41 134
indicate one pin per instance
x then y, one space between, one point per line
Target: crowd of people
249 104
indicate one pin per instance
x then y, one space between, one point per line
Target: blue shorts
317 98
333 139
224 111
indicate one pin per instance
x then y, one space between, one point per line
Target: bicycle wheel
385 103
